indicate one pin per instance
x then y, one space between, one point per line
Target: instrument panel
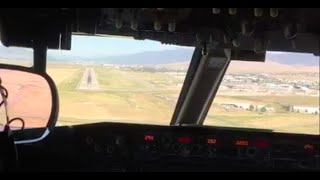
233 148
131 147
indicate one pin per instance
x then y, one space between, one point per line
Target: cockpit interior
159 89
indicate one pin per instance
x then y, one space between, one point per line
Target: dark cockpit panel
129 147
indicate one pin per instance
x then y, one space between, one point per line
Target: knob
185 151
176 147
251 151
212 151
196 148
110 149
119 141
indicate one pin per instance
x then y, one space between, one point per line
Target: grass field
126 96
276 121
283 99
133 80
280 120
150 98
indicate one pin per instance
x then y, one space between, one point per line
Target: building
306 109
245 106
229 105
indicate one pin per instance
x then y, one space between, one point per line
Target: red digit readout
261 144
308 147
241 143
211 141
183 139
148 138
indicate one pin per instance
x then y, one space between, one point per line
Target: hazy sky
84 45
91 46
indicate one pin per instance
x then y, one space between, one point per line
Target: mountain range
174 56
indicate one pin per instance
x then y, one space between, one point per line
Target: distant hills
174 58
269 67
14 53
296 59
149 57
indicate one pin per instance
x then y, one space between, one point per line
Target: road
89 81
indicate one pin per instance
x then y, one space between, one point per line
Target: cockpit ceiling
241 29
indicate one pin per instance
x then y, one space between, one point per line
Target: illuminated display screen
148 138
211 141
241 143
184 139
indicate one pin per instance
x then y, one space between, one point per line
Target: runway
89 81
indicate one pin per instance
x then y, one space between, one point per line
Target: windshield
112 79
281 94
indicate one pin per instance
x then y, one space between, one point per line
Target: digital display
308 147
184 139
148 138
241 143
261 144
211 141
